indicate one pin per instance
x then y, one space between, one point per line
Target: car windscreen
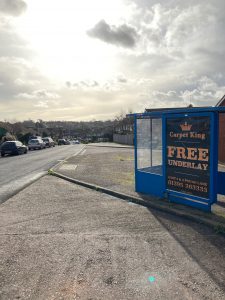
33 141
8 145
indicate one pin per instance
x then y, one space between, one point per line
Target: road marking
61 162
68 167
82 153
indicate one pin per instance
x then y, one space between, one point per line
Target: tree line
84 130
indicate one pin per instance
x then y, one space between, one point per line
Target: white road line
68 167
61 162
82 153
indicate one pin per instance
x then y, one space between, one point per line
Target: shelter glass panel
143 143
149 145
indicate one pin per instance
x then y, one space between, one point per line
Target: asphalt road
62 241
18 171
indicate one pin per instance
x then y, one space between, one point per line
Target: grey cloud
123 35
68 84
202 92
39 94
179 57
178 38
17 74
18 77
164 95
11 44
115 84
121 79
146 4
176 28
12 7
27 82
88 83
82 83
144 64
42 104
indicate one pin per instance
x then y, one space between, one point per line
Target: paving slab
63 241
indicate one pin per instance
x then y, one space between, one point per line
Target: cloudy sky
93 59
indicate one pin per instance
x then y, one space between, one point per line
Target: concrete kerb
19 189
216 225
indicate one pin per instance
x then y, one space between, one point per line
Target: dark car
61 142
49 142
13 147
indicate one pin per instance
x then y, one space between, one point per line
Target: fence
126 139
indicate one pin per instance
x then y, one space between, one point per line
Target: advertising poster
188 155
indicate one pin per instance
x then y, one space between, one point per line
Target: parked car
75 142
34 137
61 142
37 143
49 142
13 147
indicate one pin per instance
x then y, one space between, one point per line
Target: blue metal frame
214 156
155 184
135 150
178 111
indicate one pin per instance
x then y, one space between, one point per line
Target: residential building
221 132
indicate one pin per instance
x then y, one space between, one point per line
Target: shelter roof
159 112
221 102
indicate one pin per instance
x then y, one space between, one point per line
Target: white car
36 144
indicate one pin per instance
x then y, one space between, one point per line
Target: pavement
110 169
60 240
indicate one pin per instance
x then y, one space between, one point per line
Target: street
18 171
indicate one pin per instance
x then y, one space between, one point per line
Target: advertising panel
188 155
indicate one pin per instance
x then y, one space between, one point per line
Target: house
221 132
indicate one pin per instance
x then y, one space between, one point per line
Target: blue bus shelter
176 155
